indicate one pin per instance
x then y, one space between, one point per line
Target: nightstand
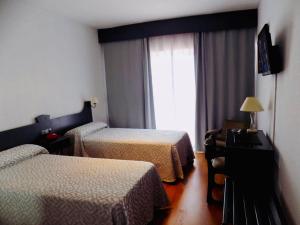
55 146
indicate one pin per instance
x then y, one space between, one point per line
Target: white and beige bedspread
169 151
38 188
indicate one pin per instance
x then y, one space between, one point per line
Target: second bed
169 151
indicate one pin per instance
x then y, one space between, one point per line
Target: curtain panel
129 84
225 68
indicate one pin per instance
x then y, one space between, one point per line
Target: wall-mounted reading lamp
94 101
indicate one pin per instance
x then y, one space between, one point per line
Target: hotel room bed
169 151
39 188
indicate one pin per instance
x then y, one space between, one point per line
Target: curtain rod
201 23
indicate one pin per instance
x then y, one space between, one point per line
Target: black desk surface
249 191
250 160
249 141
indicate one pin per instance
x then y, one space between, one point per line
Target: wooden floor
188 200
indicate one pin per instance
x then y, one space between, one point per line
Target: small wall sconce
94 101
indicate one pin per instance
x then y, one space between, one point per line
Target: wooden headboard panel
31 133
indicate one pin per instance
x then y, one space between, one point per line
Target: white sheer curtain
173 77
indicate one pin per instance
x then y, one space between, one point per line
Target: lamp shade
251 104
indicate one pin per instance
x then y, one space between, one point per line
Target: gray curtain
224 62
129 84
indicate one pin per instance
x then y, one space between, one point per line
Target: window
173 77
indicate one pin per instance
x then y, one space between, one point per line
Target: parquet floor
188 200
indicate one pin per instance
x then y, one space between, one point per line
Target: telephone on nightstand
49 135
52 136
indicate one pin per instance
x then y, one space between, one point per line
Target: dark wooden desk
250 158
250 195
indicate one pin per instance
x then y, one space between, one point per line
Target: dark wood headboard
31 133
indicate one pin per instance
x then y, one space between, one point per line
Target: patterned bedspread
167 150
38 188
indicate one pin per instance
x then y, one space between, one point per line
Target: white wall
284 20
48 65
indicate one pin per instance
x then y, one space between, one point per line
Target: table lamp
252 105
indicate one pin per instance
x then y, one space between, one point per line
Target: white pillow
87 129
17 154
77 134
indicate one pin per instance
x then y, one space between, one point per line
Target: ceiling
111 13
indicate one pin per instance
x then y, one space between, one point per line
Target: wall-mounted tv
267 54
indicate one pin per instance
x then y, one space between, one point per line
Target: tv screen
264 45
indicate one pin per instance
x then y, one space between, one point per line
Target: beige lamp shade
251 104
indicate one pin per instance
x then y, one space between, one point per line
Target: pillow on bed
17 154
87 129
77 134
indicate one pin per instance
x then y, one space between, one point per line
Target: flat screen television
265 52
